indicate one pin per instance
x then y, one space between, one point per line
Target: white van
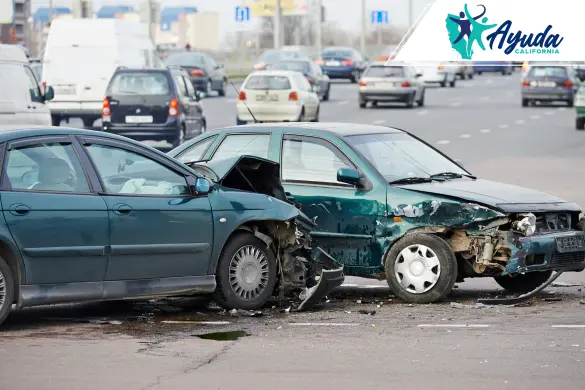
82 54
22 101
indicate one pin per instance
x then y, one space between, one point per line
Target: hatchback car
92 216
342 63
152 104
387 203
205 74
395 83
549 83
442 74
273 56
277 96
319 81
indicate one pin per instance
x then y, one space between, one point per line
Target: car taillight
174 107
196 72
242 96
405 84
526 84
347 62
568 84
294 96
106 107
319 61
363 83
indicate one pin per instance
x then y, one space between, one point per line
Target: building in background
41 15
112 11
170 15
15 31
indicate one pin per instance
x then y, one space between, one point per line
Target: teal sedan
388 205
92 216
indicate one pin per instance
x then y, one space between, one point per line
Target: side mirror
349 176
49 93
459 162
202 186
418 75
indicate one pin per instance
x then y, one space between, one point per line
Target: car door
346 217
59 223
195 118
38 111
158 229
185 102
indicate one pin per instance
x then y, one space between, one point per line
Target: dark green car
387 204
93 216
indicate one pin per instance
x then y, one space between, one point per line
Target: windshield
398 156
275 55
297 66
337 53
384 71
548 71
185 59
268 82
149 83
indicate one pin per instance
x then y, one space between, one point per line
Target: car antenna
243 101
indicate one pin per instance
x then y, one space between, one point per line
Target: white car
277 96
441 74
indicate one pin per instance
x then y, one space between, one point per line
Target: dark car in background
152 104
503 67
549 83
273 56
319 81
342 63
206 74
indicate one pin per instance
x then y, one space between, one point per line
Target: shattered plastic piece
307 292
198 322
234 312
280 327
368 312
563 284
252 313
358 301
524 304
474 306
527 225
582 303
555 299
373 326
287 309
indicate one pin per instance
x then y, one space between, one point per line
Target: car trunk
268 90
335 60
548 78
129 108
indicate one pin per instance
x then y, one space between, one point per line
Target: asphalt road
439 346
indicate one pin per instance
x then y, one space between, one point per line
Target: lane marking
343 102
423 112
485 131
456 104
453 326
322 324
465 136
443 142
520 121
549 113
379 121
569 326
504 126
535 117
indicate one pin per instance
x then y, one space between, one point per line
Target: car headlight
526 226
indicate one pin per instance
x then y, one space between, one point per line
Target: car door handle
19 209
122 209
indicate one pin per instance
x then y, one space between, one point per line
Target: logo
138 110
466 32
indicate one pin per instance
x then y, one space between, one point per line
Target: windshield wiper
412 180
451 175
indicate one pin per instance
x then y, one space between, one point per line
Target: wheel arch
10 253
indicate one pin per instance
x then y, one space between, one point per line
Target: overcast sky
344 12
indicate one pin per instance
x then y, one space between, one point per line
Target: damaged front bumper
329 279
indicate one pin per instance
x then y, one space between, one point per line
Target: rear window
384 71
268 82
338 53
273 56
185 59
139 84
548 71
297 66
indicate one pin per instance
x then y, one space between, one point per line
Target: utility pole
51 6
278 25
364 30
410 14
150 10
319 29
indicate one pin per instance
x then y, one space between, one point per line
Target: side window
312 161
240 144
180 83
45 167
128 173
195 152
33 85
190 89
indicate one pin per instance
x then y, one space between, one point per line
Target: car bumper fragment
329 280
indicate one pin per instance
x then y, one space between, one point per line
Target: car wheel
223 89
421 102
6 290
203 127
479 73
246 273
522 284
443 84
363 103
88 122
355 77
326 96
470 76
580 124
421 268
525 102
452 84
410 101
180 137
55 120
570 103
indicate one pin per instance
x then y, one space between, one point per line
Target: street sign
242 14
379 17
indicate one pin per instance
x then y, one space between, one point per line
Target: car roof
273 73
337 128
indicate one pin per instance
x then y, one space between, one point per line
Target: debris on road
368 312
205 323
554 299
563 284
474 306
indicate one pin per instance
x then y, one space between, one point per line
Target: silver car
395 83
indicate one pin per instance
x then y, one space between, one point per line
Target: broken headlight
526 225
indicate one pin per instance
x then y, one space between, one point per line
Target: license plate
265 98
139 119
386 85
68 90
332 63
543 84
570 244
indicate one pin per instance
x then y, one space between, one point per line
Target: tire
410 101
258 256
180 137
479 73
452 84
203 127
443 84
222 91
523 283
524 102
56 120
354 77
570 103
421 101
326 96
445 268
7 292
504 73
88 122
580 123
470 76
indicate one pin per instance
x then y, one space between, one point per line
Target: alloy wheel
248 272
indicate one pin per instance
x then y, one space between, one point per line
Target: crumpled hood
506 197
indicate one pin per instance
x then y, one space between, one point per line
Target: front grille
565 259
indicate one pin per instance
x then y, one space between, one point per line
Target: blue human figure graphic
478 29
465 24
